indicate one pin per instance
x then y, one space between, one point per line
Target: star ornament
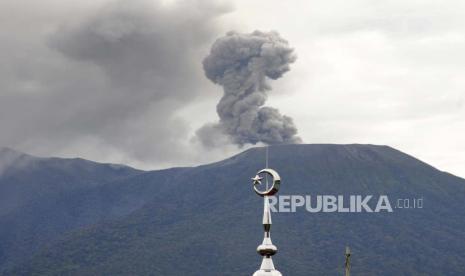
256 180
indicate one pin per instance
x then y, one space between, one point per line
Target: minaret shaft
266 214
267 248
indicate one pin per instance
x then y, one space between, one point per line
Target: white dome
267 273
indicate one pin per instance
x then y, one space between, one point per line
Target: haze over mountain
76 217
39 199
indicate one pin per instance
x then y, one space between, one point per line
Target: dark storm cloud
241 64
108 81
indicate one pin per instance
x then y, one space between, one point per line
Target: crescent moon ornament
275 182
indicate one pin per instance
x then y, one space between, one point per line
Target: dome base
267 273
267 268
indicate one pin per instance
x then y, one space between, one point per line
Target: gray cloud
105 82
241 64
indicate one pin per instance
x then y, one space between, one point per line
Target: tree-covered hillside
206 220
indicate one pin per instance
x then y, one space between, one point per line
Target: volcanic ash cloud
242 65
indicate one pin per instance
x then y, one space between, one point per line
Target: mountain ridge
217 206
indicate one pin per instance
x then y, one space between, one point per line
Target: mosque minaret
267 249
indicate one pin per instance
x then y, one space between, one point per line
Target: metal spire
347 262
267 249
266 166
266 157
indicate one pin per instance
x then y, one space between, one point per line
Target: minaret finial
267 249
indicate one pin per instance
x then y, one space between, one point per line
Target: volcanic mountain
77 217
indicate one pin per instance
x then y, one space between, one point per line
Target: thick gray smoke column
241 63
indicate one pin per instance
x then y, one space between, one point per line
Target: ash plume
242 65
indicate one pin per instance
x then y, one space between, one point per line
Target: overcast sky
122 81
